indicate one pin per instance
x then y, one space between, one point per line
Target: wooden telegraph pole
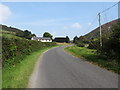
100 29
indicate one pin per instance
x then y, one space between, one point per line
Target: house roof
45 38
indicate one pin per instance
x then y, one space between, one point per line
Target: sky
61 19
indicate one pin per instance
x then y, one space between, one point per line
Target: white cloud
76 25
89 23
4 13
54 33
65 27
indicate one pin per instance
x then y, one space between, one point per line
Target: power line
109 7
92 22
102 12
99 15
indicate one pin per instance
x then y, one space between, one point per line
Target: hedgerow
15 49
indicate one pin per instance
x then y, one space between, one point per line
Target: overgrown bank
108 47
18 75
14 49
91 56
19 57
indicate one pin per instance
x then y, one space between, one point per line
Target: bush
80 45
15 49
94 45
111 46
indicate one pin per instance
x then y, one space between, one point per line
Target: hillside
11 29
17 32
106 30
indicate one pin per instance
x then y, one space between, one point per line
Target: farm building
42 39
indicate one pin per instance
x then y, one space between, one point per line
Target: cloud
89 23
54 33
65 27
76 25
4 13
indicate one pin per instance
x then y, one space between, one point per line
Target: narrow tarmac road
58 69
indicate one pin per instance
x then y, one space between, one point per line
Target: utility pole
100 29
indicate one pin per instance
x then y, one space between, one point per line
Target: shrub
93 45
111 46
80 45
14 49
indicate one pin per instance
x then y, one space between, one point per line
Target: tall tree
46 34
67 39
27 34
75 39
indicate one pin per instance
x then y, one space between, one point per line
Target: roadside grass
62 44
0 78
91 56
18 75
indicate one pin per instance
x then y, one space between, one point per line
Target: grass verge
91 56
18 75
62 44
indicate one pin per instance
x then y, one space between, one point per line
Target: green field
91 56
18 75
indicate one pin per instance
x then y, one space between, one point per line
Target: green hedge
15 49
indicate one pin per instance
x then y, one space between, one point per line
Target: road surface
57 69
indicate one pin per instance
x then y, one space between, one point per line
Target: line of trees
25 34
80 41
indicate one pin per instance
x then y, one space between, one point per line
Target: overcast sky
58 18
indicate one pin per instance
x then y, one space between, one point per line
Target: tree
46 34
75 39
33 35
82 38
27 34
111 47
115 40
67 39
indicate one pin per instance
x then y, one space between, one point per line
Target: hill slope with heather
17 32
106 30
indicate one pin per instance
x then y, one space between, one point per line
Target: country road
57 69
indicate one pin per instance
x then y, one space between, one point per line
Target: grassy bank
18 58
14 48
91 56
18 75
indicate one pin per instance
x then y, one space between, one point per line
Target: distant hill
20 33
11 29
106 30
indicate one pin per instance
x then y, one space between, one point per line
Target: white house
42 39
